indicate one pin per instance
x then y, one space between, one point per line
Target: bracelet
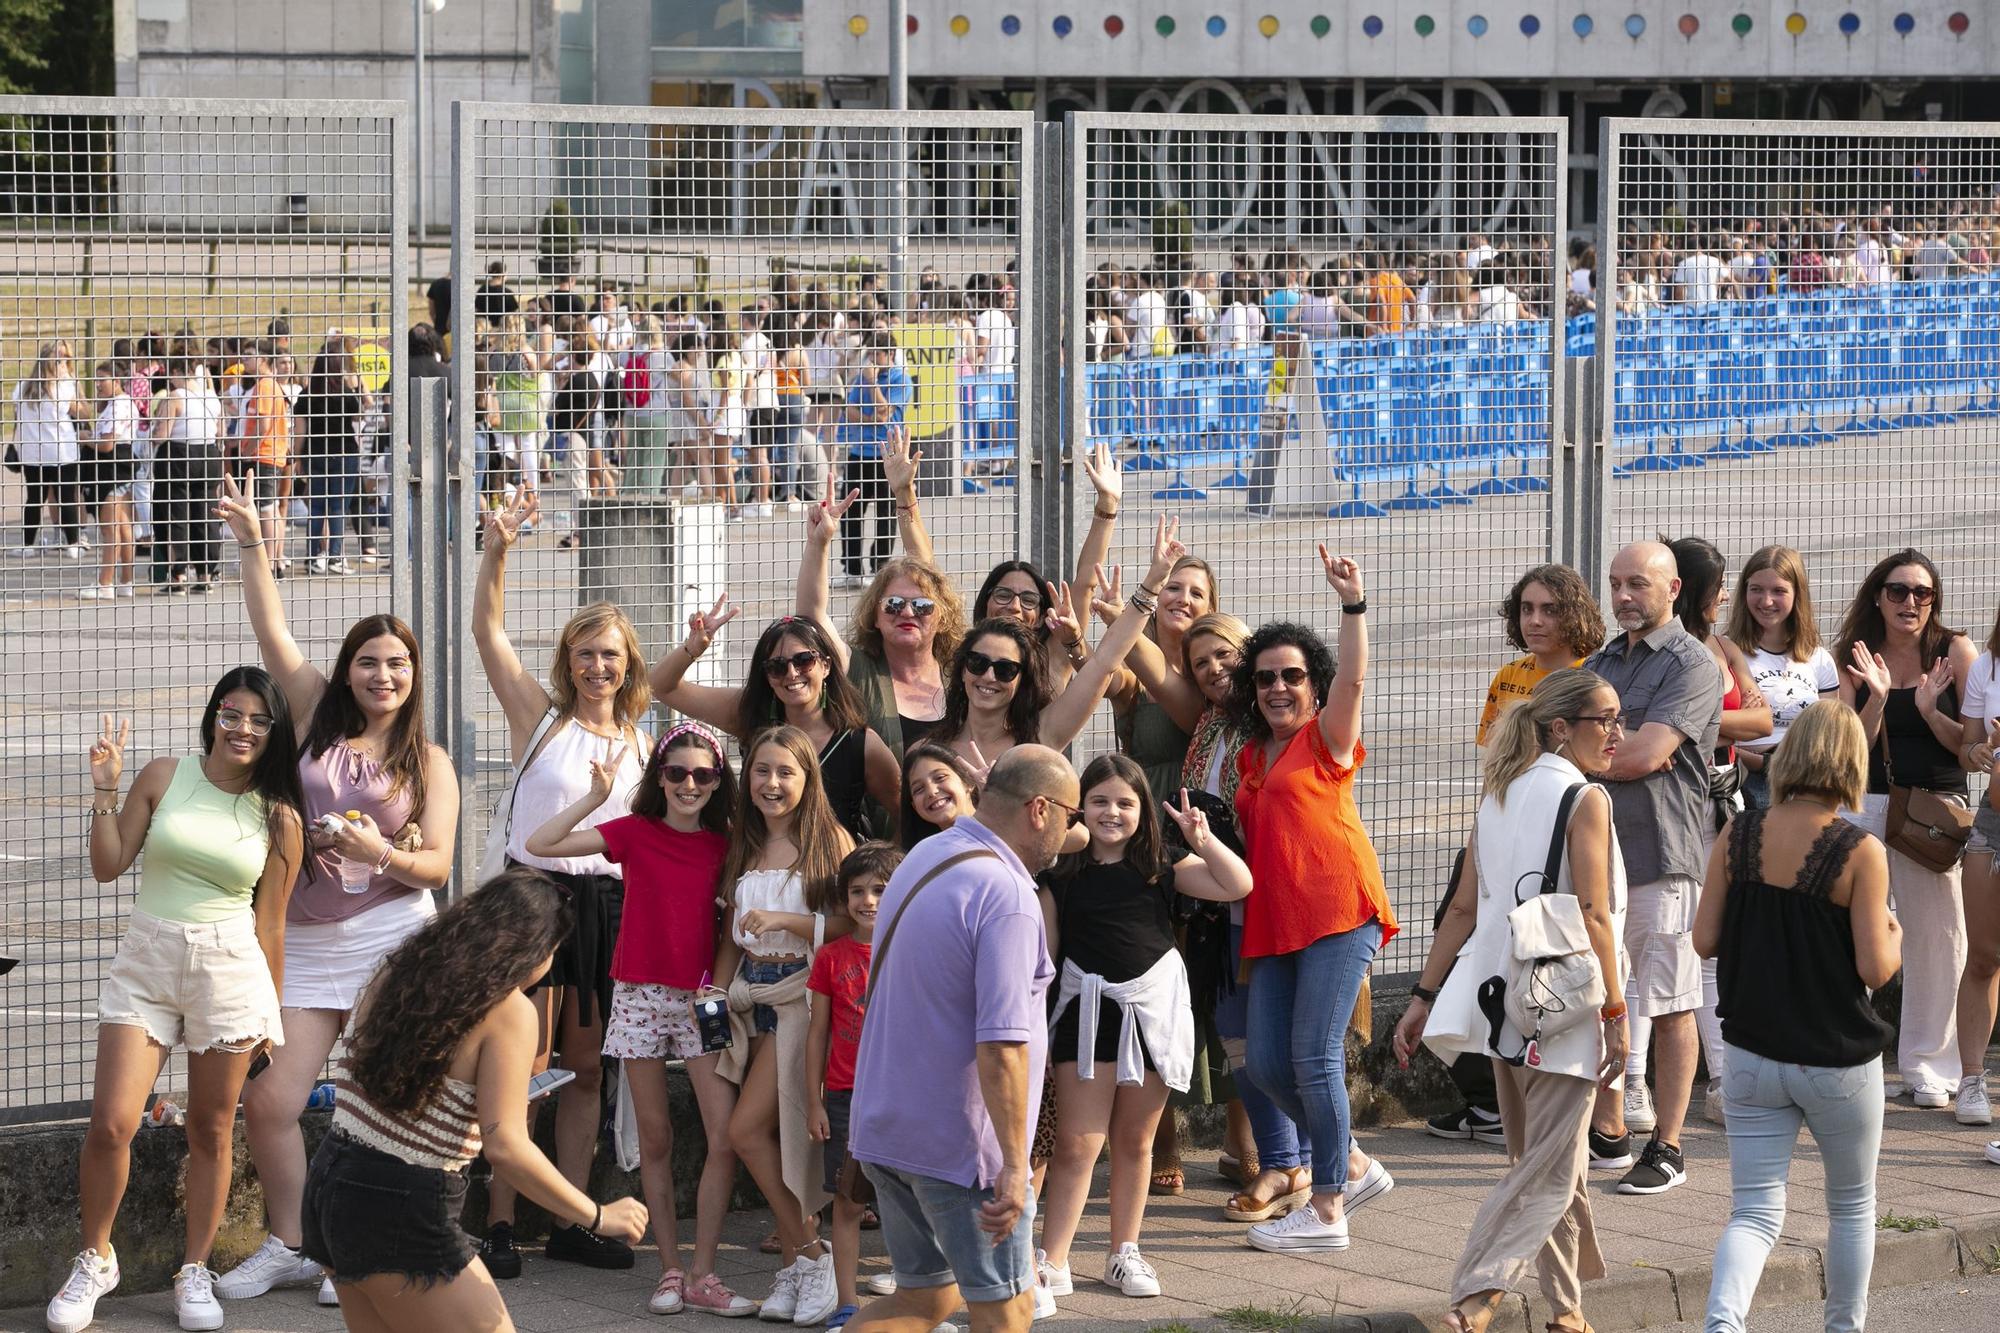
382 866
250 546
1142 603
596 1221
1150 592
95 811
1099 513
95 787
1611 1013
1424 993
1354 608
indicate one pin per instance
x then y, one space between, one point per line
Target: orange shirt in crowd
267 424
1388 301
1511 684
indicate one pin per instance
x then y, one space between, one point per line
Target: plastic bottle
164 1113
321 1098
355 876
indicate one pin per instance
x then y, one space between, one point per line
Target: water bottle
165 1113
355 876
321 1098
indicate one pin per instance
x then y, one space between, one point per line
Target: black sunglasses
920 607
777 668
679 773
1904 592
1004 669
1266 677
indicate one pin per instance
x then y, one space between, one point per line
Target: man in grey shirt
1670 697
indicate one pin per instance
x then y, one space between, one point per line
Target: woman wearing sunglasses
793 680
1905 671
1321 911
1558 738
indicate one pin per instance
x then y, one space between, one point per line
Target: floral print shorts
651 1022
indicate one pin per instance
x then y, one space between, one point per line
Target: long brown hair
1143 849
758 706
1863 621
820 839
437 986
338 716
1031 687
1801 629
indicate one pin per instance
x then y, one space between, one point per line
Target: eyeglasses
920 607
257 724
1075 812
1027 600
1609 721
777 668
1906 592
1004 670
704 776
1266 677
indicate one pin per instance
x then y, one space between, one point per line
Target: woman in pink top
363 750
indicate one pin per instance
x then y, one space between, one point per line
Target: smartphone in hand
546 1082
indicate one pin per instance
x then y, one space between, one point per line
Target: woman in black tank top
1795 911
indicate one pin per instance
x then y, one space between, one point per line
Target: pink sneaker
708 1294
670 1295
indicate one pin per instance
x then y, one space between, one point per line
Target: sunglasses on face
704 776
1905 592
258 725
1073 813
1266 677
920 607
779 667
1027 601
1004 670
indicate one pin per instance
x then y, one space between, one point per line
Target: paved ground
1405 1245
1929 1307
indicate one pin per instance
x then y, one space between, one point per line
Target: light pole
899 146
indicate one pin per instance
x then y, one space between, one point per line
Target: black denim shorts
367 1213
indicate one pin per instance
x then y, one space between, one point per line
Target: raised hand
978 763
1193 823
1935 682
1343 575
1108 600
899 464
1060 617
1167 552
503 525
107 756
1868 668
704 626
235 510
823 519
1101 466
604 772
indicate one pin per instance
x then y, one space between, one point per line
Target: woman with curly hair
1321 911
1552 618
444 1046
793 680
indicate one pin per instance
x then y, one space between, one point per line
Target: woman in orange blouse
1320 912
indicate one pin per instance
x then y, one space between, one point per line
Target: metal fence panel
675 222
158 222
1386 398
1805 348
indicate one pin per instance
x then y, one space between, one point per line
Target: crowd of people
1711 816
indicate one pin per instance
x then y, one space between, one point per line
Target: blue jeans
1297 1047
1280 1146
1765 1102
931 1230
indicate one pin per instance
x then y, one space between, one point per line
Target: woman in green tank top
199 966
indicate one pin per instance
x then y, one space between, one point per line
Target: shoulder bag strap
541 734
881 950
1552 869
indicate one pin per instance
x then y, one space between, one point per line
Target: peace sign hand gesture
703 627
107 756
1060 617
1167 552
504 525
603 772
1343 575
232 508
823 519
1193 823
1101 466
979 764
1108 601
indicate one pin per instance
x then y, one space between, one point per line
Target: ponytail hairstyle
1521 736
820 839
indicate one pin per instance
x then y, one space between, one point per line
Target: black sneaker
497 1251
1660 1169
1470 1123
1609 1154
577 1246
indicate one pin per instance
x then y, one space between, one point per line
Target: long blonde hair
41 381
1521 736
820 839
634 695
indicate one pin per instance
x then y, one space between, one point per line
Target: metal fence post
1043 420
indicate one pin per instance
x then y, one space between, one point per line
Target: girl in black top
1904 671
1795 909
1109 909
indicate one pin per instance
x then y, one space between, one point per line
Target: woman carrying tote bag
1539 1214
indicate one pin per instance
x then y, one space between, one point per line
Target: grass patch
1989 1259
1892 1221
1260 1319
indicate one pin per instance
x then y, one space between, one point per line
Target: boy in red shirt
840 981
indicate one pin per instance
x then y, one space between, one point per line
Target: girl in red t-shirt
671 848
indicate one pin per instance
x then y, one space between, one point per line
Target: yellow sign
930 355
371 363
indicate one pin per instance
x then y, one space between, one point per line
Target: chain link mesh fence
1342 329
152 256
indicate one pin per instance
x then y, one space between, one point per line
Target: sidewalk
1932 1178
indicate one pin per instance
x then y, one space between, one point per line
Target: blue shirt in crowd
865 438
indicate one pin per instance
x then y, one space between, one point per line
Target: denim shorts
366 1212
1985 830
760 973
206 986
931 1227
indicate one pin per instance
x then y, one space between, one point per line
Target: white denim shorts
207 987
328 962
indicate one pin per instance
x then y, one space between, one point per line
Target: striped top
443 1135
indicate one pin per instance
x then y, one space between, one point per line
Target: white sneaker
75 551
125 590
1301 1229
317 564
783 1302
1055 1277
1639 1115
1973 1106
1935 1099
1127 1270
274 1264
819 1293
1711 1103
91 1275
1372 1184
1992 1155
1045 1303
881 1284
97 592
327 1295
340 567
194 1298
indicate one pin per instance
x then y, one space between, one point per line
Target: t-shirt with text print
1511 684
1790 686
840 972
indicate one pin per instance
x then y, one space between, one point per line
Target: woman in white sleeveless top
1539 1214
